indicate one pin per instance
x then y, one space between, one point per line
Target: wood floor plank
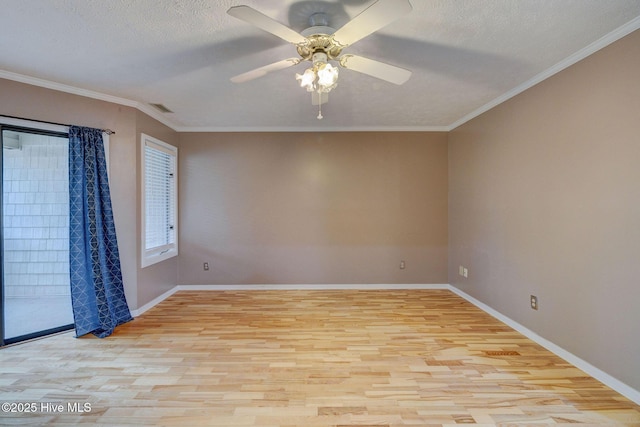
304 358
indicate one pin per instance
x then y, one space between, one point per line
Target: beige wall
36 103
545 200
313 208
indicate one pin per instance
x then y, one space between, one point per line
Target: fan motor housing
319 42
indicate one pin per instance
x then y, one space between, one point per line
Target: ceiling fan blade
380 70
376 16
259 72
262 21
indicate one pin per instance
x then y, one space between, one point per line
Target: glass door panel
35 234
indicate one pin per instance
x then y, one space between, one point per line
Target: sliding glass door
35 234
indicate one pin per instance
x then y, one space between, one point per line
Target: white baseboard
154 302
617 385
309 287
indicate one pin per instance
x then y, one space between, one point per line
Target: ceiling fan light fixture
307 79
321 77
327 77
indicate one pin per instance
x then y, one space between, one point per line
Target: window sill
151 259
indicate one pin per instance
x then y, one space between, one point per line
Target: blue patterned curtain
97 291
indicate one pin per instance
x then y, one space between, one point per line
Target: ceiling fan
320 43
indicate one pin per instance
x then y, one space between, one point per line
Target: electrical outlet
534 302
465 272
205 266
402 265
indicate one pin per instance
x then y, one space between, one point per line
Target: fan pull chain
319 105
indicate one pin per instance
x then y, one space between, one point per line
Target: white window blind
159 201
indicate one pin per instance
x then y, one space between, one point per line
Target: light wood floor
306 358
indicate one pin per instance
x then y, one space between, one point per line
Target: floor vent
502 353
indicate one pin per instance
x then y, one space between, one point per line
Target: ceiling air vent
161 108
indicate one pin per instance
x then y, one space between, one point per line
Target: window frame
157 254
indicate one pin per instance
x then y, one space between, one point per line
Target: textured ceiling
465 55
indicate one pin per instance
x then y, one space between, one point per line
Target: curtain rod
107 131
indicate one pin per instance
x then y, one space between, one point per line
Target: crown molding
162 117
602 42
60 87
48 84
315 129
